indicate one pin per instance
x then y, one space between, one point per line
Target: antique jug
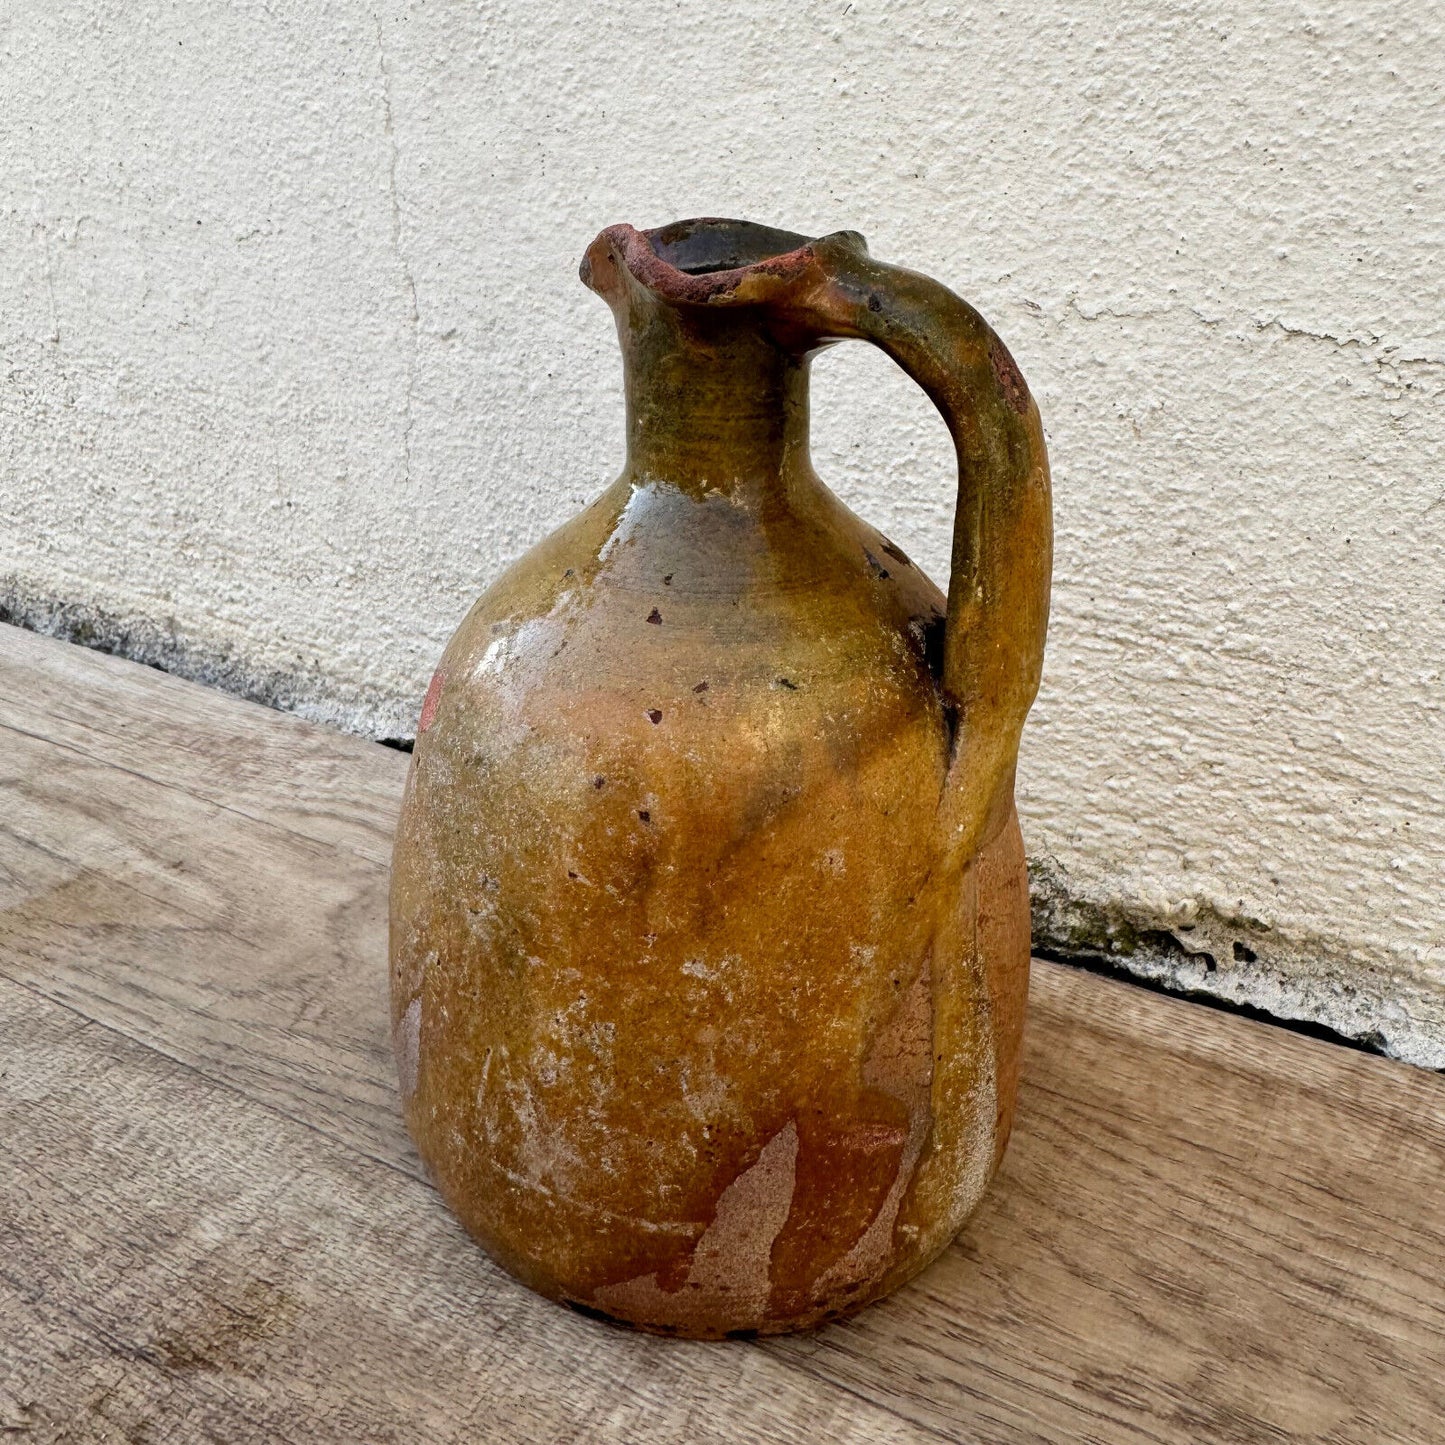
709 917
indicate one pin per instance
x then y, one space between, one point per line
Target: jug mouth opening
707 245
699 261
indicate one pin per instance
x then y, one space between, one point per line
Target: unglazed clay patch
901 1065
728 1278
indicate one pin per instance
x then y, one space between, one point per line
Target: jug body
707 993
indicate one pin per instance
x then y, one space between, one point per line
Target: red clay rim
636 249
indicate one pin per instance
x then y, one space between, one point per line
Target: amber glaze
709 912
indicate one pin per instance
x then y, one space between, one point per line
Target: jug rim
704 260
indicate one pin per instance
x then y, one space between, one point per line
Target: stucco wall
295 359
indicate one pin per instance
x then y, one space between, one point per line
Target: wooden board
212 1226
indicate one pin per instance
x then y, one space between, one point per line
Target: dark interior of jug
700 247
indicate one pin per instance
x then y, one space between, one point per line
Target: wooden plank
221 897
1205 1228
341 791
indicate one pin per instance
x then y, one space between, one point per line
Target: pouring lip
702 261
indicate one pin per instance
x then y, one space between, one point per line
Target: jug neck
713 403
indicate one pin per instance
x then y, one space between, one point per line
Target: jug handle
998 590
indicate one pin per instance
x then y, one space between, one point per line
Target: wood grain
212 1226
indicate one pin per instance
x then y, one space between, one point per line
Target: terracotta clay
709 914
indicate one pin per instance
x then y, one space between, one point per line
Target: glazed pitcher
709 918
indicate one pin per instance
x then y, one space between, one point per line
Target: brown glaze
709 914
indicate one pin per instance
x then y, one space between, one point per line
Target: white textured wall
295 359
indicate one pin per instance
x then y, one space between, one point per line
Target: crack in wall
44 231
409 296
1386 356
1114 314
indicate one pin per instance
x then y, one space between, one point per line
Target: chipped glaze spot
407 1047
431 701
727 1282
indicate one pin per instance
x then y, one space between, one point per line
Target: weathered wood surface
212 1227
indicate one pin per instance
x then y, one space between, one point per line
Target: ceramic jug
709 917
